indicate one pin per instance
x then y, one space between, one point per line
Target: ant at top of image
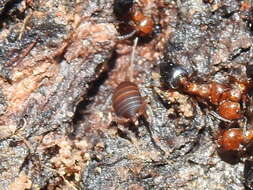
136 17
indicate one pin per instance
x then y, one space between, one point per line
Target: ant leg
130 68
127 36
129 135
23 54
133 50
126 133
245 125
146 124
219 117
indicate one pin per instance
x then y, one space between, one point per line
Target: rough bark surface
59 64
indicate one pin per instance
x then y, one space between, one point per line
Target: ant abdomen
235 138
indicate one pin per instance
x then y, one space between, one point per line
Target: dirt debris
22 182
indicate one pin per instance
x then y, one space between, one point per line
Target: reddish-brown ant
227 98
138 15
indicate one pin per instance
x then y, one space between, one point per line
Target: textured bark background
59 64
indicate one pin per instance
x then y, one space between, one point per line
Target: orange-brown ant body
137 14
234 139
227 98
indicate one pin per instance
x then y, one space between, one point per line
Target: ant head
122 7
172 74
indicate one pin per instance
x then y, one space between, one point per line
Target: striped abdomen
127 100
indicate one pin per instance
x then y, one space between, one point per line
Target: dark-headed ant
137 14
227 98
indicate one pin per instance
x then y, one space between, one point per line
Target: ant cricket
130 107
